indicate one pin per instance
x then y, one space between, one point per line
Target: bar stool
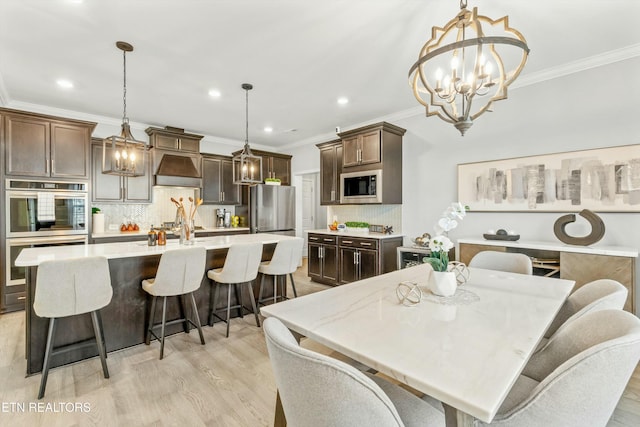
179 273
240 268
284 261
68 288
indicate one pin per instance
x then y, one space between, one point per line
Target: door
230 191
367 263
314 264
348 266
285 207
280 169
350 147
211 180
370 147
105 188
330 263
27 146
308 206
263 208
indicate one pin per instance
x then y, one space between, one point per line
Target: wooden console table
580 263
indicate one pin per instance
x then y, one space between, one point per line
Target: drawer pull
348 242
366 243
313 238
21 298
328 240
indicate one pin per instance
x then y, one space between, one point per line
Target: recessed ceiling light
343 100
76 1
65 84
268 129
214 93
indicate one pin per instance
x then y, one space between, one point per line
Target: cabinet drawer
14 299
322 238
356 242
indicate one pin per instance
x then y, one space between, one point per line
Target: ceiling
301 56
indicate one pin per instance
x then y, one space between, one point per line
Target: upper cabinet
274 165
107 188
43 146
371 150
217 181
170 138
331 167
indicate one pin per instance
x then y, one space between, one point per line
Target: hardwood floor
227 382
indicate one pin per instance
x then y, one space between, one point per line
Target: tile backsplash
162 209
373 214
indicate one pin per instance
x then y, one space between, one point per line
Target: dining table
465 350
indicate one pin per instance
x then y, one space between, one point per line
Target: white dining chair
318 391
240 269
596 295
578 378
285 260
70 288
180 273
502 261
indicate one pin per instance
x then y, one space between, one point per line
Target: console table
580 263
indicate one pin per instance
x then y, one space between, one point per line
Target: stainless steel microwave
361 187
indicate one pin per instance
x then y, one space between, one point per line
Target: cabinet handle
358 257
328 240
21 298
355 258
366 243
313 238
348 242
333 194
321 251
223 196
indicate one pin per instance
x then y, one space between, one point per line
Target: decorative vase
98 223
189 230
443 283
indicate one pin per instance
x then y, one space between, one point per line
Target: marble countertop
467 355
556 246
34 256
114 234
367 234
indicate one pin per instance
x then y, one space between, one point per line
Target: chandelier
123 154
460 72
247 168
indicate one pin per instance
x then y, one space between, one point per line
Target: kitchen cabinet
217 181
274 165
44 146
331 168
582 264
358 259
170 138
323 259
362 149
107 188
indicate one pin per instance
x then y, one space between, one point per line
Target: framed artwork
601 180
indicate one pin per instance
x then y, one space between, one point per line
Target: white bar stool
68 288
179 273
285 260
240 268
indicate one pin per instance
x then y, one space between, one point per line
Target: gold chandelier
460 72
123 154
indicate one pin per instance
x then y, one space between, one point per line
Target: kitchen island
125 318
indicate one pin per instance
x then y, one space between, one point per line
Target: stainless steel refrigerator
272 209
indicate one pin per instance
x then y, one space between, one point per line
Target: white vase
98 223
443 283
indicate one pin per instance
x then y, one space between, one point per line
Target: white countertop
466 355
366 234
114 234
34 256
556 246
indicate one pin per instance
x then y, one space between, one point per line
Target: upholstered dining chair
578 378
69 288
317 390
502 261
597 295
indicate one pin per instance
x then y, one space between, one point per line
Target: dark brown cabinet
43 146
362 149
113 188
358 259
323 259
217 181
331 168
274 165
170 138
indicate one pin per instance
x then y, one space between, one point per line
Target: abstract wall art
602 180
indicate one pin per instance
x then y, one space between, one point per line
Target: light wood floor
227 382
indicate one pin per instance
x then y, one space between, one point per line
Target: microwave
361 187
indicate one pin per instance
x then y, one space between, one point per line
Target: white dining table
466 351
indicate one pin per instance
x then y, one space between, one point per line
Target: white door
308 206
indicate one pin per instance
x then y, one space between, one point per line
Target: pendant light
123 154
466 66
247 168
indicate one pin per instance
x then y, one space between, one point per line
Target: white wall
571 113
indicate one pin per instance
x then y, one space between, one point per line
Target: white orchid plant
440 245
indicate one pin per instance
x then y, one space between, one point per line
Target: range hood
179 169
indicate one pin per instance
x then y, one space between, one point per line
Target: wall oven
361 187
46 208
